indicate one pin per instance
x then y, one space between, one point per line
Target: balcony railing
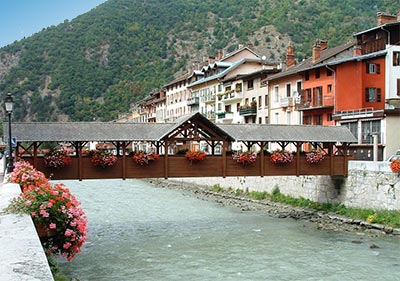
289 101
248 111
225 115
193 101
208 99
231 97
324 102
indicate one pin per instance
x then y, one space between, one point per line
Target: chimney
220 54
324 44
316 52
384 18
357 50
211 60
290 61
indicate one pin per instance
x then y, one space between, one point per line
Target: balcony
248 111
231 97
224 115
320 103
208 99
192 101
286 102
210 115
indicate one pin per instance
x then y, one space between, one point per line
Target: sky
22 18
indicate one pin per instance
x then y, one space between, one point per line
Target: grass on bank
389 218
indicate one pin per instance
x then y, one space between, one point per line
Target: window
398 87
259 120
318 120
250 84
329 90
266 100
373 95
353 127
329 72
277 118
317 73
396 58
238 88
259 102
298 86
307 120
307 75
288 90
369 129
276 93
373 68
288 118
330 117
266 120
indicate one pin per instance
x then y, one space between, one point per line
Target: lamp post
9 104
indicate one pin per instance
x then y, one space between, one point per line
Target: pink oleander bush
102 158
51 206
244 158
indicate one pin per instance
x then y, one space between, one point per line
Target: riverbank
322 220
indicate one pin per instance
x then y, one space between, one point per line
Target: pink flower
52 226
68 232
66 245
28 202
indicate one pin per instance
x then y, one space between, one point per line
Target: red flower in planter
57 159
315 156
103 158
142 158
245 157
281 157
195 156
395 166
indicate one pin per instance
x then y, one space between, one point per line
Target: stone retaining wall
368 185
21 255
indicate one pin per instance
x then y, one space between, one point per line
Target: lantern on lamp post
9 104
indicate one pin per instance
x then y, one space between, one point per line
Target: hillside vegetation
95 66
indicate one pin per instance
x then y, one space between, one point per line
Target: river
141 232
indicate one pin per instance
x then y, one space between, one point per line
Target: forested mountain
97 65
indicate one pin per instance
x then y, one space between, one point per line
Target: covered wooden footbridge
188 131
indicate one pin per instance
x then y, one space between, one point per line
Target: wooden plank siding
180 166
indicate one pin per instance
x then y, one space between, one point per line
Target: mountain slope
97 65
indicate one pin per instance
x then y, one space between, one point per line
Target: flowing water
142 232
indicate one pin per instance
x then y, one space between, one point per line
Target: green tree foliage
96 65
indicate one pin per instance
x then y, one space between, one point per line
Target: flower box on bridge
191 129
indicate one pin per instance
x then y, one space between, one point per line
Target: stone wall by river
368 185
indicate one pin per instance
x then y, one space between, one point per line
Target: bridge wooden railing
180 166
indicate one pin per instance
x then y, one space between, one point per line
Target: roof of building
288 133
224 72
389 24
96 131
327 55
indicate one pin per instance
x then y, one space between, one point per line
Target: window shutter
366 94
378 95
398 87
378 68
367 67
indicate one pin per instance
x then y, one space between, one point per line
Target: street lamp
9 104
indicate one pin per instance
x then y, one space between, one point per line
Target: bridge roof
288 133
97 131
87 131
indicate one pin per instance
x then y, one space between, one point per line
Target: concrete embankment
324 221
21 256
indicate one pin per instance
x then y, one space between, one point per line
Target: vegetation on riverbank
385 217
